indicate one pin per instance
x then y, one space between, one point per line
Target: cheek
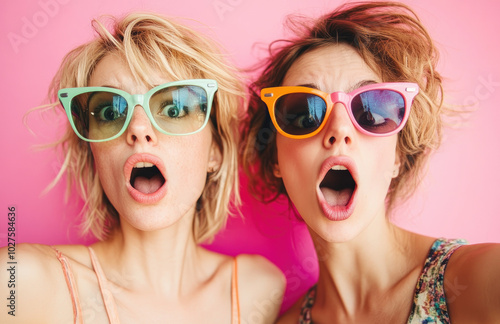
295 163
391 161
382 162
284 154
188 158
109 170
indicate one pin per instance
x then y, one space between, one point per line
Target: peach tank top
107 297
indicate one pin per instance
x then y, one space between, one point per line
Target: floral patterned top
429 302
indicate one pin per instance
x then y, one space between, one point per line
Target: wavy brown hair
393 42
151 43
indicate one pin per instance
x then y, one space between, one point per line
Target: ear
276 170
215 158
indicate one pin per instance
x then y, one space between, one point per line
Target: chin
337 232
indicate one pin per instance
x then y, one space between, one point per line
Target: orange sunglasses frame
407 90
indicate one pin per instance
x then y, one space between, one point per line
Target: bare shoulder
477 263
291 316
257 265
472 284
30 274
261 286
32 260
34 275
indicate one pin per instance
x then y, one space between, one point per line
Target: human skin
368 267
185 160
373 160
156 270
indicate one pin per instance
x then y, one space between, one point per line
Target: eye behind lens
379 111
299 113
104 113
180 109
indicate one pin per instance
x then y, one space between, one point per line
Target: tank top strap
70 281
235 302
429 300
305 311
107 296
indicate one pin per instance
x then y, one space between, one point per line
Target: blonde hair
151 43
393 42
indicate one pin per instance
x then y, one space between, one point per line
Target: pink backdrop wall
459 198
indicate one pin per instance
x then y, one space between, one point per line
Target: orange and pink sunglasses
380 109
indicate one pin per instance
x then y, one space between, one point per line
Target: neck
159 260
357 273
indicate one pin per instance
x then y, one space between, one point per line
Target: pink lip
136 194
337 213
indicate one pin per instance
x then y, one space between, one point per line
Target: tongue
337 197
148 186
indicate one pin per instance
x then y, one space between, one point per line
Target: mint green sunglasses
99 114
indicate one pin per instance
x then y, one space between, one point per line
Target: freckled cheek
283 154
381 162
109 170
294 161
190 156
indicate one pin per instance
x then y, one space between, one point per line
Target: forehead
113 70
331 68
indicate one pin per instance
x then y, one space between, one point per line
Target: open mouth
338 186
146 178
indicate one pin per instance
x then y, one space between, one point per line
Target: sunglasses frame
66 95
407 90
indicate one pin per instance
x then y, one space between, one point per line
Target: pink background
457 199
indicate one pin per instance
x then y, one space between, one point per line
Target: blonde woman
342 121
152 146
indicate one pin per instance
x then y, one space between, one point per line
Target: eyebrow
92 94
310 85
361 84
110 86
120 88
350 89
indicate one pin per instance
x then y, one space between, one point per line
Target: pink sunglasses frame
407 90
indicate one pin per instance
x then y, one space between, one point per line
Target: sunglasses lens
299 113
99 115
378 111
181 109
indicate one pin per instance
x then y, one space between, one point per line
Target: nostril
147 137
332 140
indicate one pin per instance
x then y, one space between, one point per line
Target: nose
339 129
140 130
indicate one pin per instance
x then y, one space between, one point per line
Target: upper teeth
143 165
339 167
